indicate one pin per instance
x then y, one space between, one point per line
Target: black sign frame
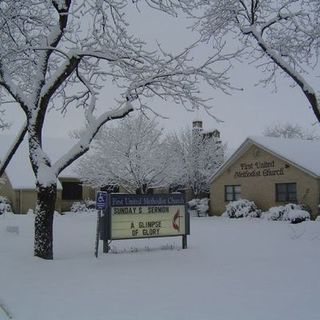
118 200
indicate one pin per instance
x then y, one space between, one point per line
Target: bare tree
281 35
195 156
290 131
59 54
132 155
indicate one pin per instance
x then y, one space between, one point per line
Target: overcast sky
244 113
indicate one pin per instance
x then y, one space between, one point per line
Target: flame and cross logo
176 222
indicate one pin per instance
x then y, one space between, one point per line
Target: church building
271 172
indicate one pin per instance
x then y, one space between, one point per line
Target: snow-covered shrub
297 216
290 212
192 204
199 206
241 209
5 206
274 213
203 206
83 206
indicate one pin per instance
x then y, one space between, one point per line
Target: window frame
236 195
287 193
76 193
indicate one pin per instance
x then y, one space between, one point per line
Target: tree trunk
43 239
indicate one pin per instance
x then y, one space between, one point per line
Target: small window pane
281 187
229 197
237 196
291 187
292 197
281 197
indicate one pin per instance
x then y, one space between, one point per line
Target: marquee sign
146 216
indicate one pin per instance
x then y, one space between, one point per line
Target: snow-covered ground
232 269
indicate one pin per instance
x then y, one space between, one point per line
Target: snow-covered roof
304 154
19 170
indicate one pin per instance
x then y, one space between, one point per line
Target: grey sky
244 113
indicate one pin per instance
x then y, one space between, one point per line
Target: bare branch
278 36
10 153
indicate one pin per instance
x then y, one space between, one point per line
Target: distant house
270 172
19 186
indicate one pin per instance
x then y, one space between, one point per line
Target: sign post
101 204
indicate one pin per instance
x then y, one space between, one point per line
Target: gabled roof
303 154
19 170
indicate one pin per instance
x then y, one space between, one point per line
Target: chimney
197 124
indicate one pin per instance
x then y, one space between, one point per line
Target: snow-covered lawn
232 269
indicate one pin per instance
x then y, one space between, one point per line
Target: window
232 193
286 192
71 191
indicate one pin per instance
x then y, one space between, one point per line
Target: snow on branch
85 137
132 154
278 36
3 123
15 145
59 54
171 7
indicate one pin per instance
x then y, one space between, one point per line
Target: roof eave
236 155
244 147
